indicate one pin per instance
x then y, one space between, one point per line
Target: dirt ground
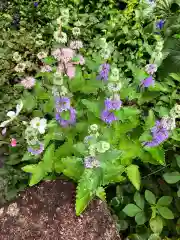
47 212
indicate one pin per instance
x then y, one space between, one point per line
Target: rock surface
46 212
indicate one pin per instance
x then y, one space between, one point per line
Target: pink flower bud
13 142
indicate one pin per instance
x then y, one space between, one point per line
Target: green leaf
172 177
49 60
150 197
100 192
27 156
127 113
131 210
175 76
65 115
154 237
89 183
150 121
165 212
156 224
29 168
178 160
178 192
165 201
178 226
157 153
139 200
29 102
72 167
140 218
93 107
80 147
134 175
48 158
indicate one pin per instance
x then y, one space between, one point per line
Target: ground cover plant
90 92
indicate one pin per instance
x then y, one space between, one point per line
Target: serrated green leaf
172 177
139 200
150 197
72 167
165 201
165 212
88 184
134 175
48 158
140 218
157 153
131 210
100 192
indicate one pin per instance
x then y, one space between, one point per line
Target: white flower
102 146
92 150
175 111
60 37
42 55
76 44
93 127
62 20
114 86
40 42
168 122
57 79
115 72
28 82
16 56
12 115
64 91
105 53
46 68
39 124
57 54
20 67
76 31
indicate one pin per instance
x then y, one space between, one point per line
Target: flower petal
11 114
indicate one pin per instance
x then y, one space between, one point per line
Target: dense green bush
90 91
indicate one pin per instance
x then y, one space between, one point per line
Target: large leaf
165 201
150 197
89 183
131 210
165 212
140 218
156 224
171 177
48 158
72 167
139 200
134 175
157 153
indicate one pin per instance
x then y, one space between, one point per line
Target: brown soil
46 212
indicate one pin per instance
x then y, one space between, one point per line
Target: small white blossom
16 56
93 127
114 86
28 82
175 111
46 68
42 55
12 115
77 44
20 67
62 20
60 37
64 91
105 53
39 124
92 150
115 73
168 123
102 146
76 31
40 42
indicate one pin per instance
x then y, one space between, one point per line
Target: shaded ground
46 212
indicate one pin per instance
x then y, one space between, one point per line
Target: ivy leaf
157 153
72 167
150 197
140 218
134 175
156 224
139 200
165 212
100 192
165 201
131 210
88 184
172 177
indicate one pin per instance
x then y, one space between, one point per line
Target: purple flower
151 68
91 162
112 104
36 151
149 81
160 24
65 122
36 4
104 72
159 133
62 104
108 116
